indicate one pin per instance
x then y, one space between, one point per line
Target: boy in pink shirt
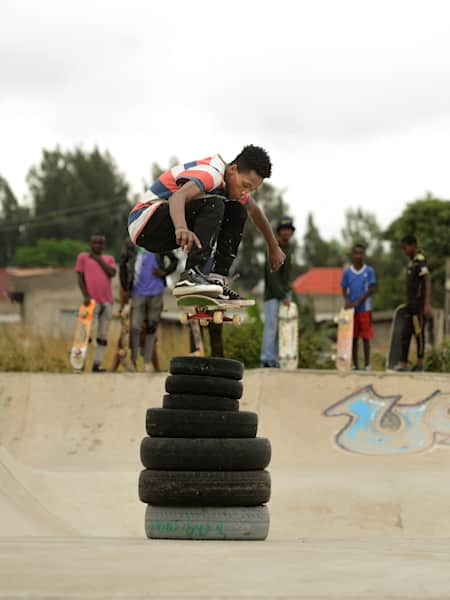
95 271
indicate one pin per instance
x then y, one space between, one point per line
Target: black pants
212 219
413 325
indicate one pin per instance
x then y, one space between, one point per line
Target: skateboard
206 309
398 323
288 336
121 356
81 338
345 321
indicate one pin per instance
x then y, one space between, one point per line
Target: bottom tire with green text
207 523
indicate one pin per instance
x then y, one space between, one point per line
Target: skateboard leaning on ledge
80 343
206 309
344 347
395 340
288 336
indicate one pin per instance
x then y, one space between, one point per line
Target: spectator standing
95 271
143 277
277 290
418 302
358 285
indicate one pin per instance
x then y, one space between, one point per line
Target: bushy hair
361 246
254 158
410 240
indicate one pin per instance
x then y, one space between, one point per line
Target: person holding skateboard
358 285
95 271
277 291
202 207
418 303
143 277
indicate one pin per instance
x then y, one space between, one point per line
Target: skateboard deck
344 347
288 336
398 322
121 356
81 338
206 309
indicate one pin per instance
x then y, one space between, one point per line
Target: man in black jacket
143 278
418 302
277 290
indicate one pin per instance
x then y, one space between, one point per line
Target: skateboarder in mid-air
418 304
358 284
203 205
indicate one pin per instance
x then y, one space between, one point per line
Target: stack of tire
204 475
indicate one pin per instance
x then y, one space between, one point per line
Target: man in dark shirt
277 290
418 293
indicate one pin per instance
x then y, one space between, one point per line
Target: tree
252 250
11 215
50 253
156 170
429 220
316 251
362 228
75 194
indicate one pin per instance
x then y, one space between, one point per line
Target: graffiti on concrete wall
382 425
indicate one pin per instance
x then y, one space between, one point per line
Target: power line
60 216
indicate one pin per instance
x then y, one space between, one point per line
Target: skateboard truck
205 317
207 309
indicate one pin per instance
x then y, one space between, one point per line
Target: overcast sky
350 98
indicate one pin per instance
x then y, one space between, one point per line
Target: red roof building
323 286
323 280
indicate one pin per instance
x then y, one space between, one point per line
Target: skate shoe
193 281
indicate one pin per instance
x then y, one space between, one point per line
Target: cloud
351 98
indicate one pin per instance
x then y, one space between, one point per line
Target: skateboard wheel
184 319
237 319
204 322
218 318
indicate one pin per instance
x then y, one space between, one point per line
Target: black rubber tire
161 422
204 488
203 365
206 523
205 454
204 385
196 402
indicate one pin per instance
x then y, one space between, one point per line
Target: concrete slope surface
360 459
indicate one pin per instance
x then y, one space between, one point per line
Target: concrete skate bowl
353 455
